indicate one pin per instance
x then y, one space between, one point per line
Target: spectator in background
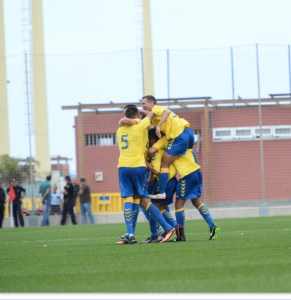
45 189
85 201
56 201
3 201
17 202
76 190
68 202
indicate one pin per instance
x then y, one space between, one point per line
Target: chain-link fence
244 156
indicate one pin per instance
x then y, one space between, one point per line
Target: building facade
238 164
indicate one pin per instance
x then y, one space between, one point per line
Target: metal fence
251 71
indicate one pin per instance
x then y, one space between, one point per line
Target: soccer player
162 204
132 172
178 133
189 187
136 199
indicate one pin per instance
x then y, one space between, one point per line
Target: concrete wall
190 214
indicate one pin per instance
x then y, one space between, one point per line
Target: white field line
116 237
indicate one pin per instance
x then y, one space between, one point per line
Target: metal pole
142 71
289 61
232 72
29 130
168 72
260 123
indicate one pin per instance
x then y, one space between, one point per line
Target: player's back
186 164
173 126
132 145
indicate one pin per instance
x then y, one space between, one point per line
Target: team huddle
154 151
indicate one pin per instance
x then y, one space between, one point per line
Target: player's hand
150 182
158 132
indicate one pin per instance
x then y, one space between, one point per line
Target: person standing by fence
45 190
85 201
17 201
3 201
76 190
68 202
56 201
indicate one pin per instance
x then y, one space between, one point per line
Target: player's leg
162 204
187 188
176 147
180 217
156 214
203 209
154 232
127 188
206 215
164 175
135 209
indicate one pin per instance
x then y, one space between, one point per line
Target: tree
13 168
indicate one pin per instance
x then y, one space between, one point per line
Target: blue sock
205 213
146 213
156 214
180 217
135 208
153 227
164 176
128 214
169 218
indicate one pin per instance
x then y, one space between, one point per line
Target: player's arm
151 179
148 114
126 121
165 116
151 153
151 168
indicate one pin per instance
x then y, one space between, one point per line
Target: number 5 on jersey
124 140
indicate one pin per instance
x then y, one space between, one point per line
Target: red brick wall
235 166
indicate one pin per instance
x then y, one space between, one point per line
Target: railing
100 203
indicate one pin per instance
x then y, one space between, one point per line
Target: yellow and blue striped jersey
173 126
156 163
185 164
132 145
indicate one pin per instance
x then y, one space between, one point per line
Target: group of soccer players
150 161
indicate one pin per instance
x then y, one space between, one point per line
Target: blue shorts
190 186
170 190
133 181
181 143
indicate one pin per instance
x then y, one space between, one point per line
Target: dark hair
131 112
150 98
152 134
129 105
68 178
49 177
82 179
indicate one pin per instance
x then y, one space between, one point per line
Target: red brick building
236 164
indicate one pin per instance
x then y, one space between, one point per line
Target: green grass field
250 255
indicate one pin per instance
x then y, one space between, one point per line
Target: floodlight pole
260 123
29 131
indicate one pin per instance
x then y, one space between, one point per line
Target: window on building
251 133
104 139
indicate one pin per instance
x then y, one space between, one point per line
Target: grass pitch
250 255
